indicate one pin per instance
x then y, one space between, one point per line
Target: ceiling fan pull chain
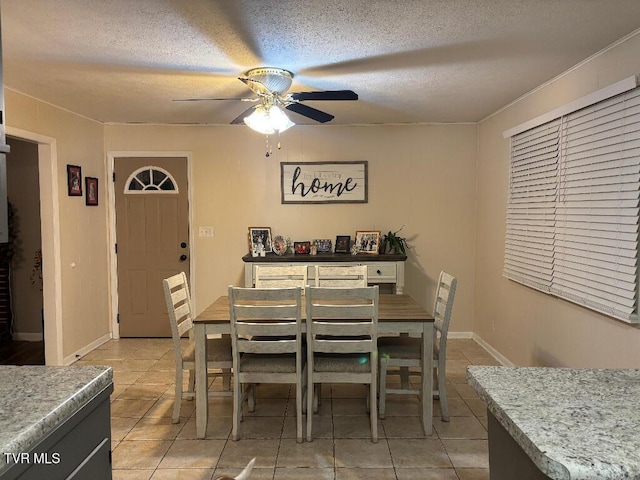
269 151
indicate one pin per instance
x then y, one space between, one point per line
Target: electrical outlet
205 232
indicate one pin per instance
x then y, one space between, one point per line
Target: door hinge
118 318
110 457
114 177
116 248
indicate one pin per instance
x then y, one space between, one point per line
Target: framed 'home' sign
324 182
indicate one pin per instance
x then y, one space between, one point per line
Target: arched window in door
150 179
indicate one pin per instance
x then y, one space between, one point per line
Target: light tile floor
146 445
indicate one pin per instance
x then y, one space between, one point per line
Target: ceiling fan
270 86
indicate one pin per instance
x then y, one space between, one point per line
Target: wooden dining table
397 314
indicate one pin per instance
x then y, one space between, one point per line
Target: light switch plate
205 232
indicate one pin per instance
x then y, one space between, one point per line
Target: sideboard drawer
381 272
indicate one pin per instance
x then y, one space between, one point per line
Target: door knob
183 257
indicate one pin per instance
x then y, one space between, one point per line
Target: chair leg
373 407
310 395
237 408
368 401
226 379
404 378
442 377
383 386
177 399
191 386
299 410
317 397
251 398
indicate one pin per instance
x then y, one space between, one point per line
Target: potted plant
392 243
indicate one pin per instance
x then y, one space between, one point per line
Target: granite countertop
36 399
577 424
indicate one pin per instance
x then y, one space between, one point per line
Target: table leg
202 397
427 378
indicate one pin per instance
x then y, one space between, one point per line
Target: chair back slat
179 296
341 276
322 345
343 328
332 295
265 329
265 311
341 311
281 276
182 312
266 346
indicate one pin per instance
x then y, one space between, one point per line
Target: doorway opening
45 193
21 280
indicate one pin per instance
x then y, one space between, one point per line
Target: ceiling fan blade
325 95
210 99
240 118
310 112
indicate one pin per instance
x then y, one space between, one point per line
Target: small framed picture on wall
74 180
91 191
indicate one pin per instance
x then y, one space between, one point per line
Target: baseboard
493 352
74 357
460 335
28 337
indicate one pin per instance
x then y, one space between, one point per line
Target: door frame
111 216
50 233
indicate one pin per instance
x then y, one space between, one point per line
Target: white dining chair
340 275
280 276
266 337
342 332
178 298
398 354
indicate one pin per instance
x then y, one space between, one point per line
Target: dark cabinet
79 448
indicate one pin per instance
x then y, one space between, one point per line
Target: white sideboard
381 269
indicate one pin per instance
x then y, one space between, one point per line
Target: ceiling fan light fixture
268 120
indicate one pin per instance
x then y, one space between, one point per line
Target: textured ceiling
409 60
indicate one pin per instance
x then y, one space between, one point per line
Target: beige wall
421 176
82 230
22 188
528 327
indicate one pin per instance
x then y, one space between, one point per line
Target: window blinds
533 193
573 208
